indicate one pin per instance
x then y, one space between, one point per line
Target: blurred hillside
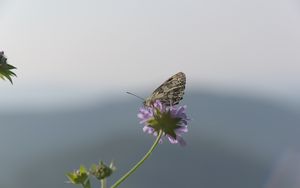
233 142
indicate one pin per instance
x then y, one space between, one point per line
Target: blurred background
76 60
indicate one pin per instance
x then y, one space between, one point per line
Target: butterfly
170 92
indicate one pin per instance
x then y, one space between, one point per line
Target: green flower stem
140 162
103 183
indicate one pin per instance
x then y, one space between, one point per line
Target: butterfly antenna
135 95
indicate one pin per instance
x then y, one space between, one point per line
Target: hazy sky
70 51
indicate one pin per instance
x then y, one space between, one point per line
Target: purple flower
172 120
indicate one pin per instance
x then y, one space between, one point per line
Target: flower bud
79 176
101 171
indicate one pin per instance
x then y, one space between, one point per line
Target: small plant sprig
160 121
5 68
99 171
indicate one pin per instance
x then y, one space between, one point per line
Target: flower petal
172 140
182 129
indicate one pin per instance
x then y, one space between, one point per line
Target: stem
140 162
103 183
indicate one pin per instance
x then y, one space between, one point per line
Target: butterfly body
170 92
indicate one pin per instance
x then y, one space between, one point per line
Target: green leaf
5 68
6 73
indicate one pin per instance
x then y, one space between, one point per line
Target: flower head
101 171
172 120
79 176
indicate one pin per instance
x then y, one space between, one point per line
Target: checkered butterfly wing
170 92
